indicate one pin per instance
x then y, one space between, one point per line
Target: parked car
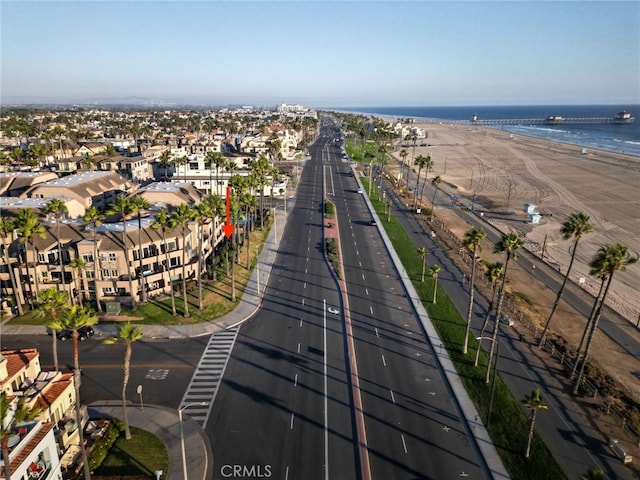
360 190
372 222
83 334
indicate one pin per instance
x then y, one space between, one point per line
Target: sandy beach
506 171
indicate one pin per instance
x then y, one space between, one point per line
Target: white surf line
404 443
326 403
393 397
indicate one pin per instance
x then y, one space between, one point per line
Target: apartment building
33 451
89 188
127 262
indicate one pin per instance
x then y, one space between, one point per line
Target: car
83 334
506 319
360 190
373 222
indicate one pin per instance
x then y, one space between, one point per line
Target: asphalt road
284 406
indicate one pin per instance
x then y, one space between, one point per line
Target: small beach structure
530 209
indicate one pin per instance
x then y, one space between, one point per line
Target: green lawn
508 427
142 455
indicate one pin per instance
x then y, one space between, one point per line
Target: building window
88 274
107 290
109 257
87 257
106 273
193 166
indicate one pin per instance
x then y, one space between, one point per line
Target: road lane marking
291 421
404 443
393 397
371 309
298 347
366 289
377 334
295 381
326 393
384 362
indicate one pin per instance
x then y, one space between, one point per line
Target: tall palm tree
599 272
610 258
138 205
434 272
127 334
494 274
50 304
403 156
181 161
58 208
533 402
419 161
182 215
7 229
77 266
121 207
94 217
202 215
164 162
29 228
575 227
165 223
217 210
509 244
472 241
10 416
428 163
422 253
72 319
435 182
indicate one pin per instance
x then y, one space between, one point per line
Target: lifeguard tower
530 209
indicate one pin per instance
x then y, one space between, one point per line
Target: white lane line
393 397
291 421
303 301
366 290
404 443
300 321
305 285
298 347
377 334
326 394
286 473
371 309
384 362
295 382
363 276
360 264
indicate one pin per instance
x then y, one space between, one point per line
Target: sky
322 53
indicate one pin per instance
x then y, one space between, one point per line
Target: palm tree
422 253
534 402
472 241
435 182
609 259
428 163
165 223
7 229
508 245
594 474
51 303
420 161
137 205
403 156
434 271
9 417
77 266
202 215
182 160
72 319
216 209
577 225
127 334
182 216
165 162
93 216
29 228
58 208
121 207
494 273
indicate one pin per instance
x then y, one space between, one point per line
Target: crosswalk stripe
206 378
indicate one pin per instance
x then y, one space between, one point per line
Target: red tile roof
18 359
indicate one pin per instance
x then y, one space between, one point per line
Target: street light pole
184 453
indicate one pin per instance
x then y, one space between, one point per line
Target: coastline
505 171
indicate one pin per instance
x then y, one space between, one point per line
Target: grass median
509 424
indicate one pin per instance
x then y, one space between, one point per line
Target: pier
553 120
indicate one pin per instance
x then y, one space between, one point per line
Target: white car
506 319
360 190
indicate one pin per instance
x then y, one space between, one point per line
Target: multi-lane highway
285 404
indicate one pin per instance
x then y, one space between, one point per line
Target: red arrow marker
228 227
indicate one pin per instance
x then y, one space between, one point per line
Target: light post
495 374
184 453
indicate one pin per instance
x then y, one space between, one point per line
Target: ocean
613 138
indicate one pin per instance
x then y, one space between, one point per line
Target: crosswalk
202 389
